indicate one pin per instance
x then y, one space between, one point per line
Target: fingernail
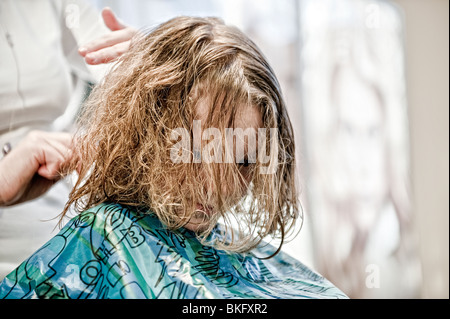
82 50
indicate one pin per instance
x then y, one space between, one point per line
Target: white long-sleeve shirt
40 73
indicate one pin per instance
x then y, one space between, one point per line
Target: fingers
61 140
60 154
33 166
107 54
111 20
53 150
107 40
110 46
50 168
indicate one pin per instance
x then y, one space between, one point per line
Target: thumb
111 20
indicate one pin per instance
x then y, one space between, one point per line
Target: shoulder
294 278
106 215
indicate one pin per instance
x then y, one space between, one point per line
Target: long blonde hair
124 140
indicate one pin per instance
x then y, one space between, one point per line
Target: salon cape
112 251
42 82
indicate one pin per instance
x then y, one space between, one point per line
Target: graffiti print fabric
112 251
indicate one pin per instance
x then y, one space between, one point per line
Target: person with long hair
185 157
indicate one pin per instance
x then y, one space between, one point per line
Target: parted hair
125 134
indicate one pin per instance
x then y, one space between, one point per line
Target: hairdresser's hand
112 45
32 167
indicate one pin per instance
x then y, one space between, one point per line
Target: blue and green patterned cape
112 251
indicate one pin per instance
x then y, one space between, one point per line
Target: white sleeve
81 23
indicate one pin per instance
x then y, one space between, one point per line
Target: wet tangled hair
125 134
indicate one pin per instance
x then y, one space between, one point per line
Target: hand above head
110 46
32 167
